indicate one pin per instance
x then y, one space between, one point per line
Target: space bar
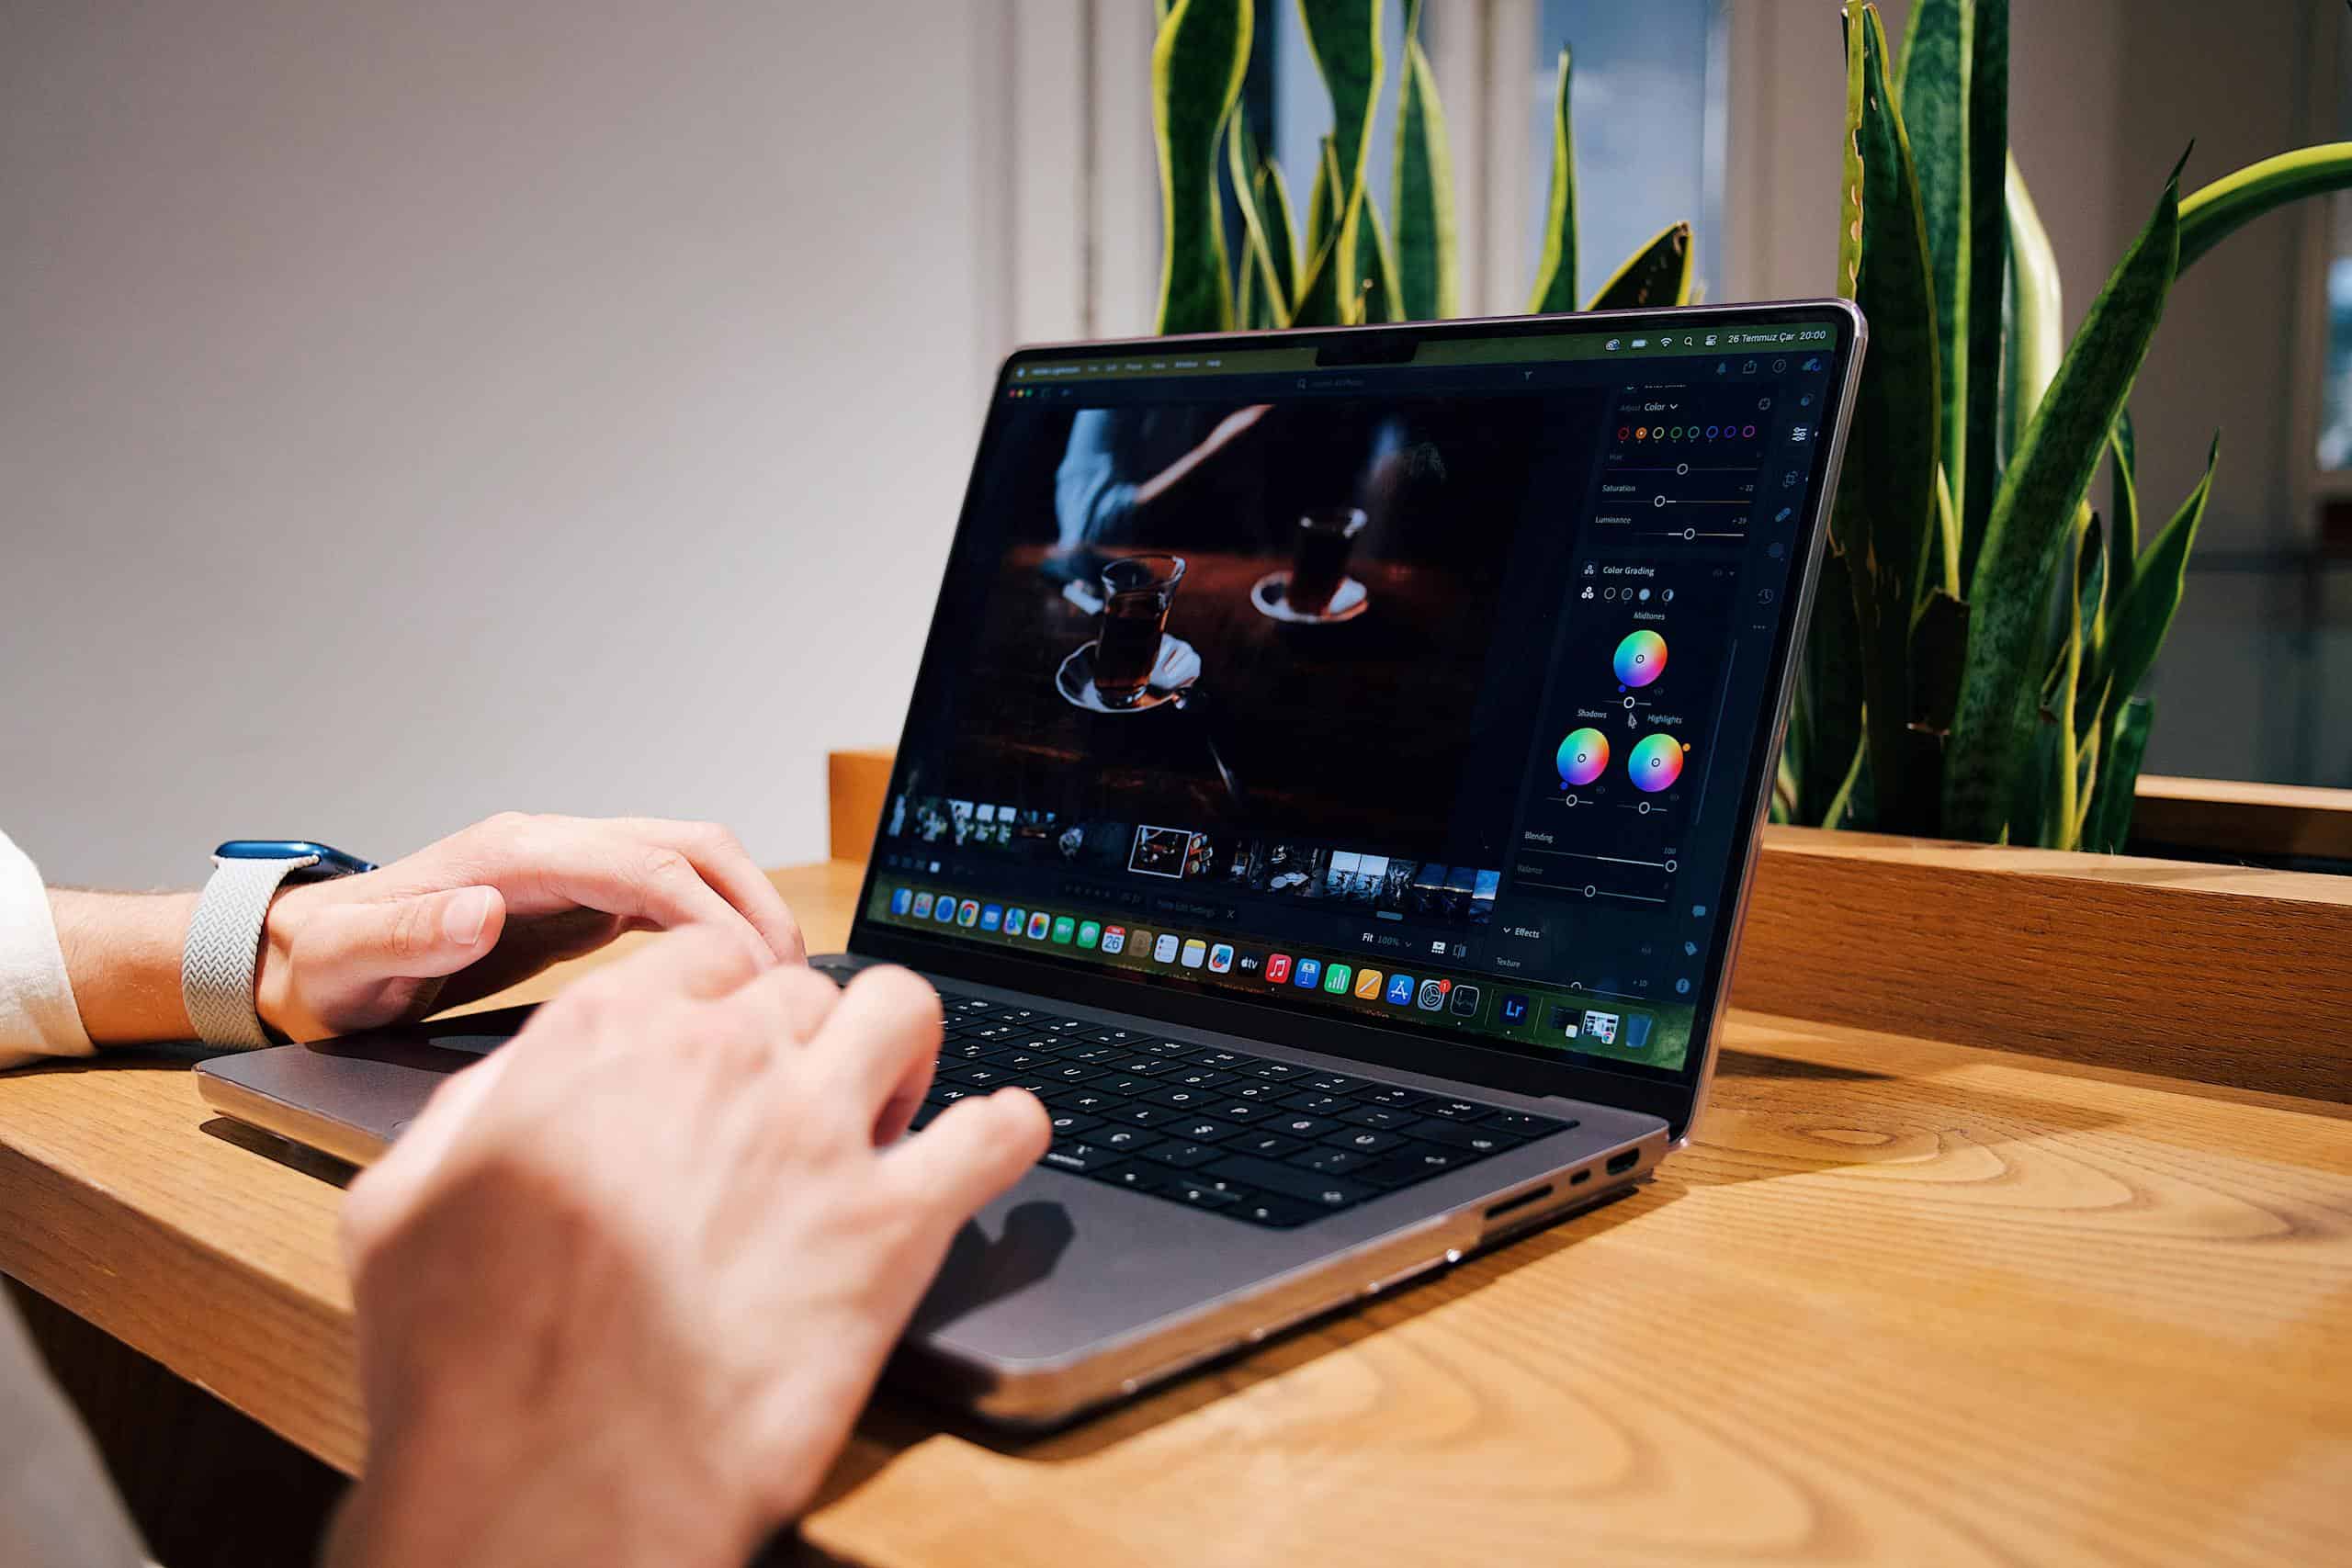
1329 1191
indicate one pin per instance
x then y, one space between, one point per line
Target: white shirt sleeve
37 1015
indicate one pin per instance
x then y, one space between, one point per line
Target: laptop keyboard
1268 1143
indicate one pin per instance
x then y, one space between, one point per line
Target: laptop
1331 785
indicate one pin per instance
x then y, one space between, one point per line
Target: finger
415 938
788 1004
721 861
546 863
694 964
880 1038
391 1185
975 1150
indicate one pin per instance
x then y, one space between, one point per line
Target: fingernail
462 920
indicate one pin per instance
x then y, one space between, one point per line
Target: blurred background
413 410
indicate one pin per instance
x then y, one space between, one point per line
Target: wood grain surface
1903 1302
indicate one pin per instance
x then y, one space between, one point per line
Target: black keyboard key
1281 1072
1200 1195
1289 1181
1199 1077
1455 1110
1325 1160
1070 1123
1176 1097
1135 1175
1200 1130
1416 1163
1182 1156
1385 1118
1270 1094
946 1093
1362 1140
1244 1112
1126 1084
1021 1015
1138 1115
1202 1056
1316 1104
1123 1140
1275 1213
1402 1098
965 1004
1297 1126
1333 1083
1172 1048
1102 1055
1526 1126
1063 1026
995 1030
1141 1066
974 1075
1111 1036
1479 1141
1266 1145
1036 1085
1079 1157
1073 1071
1091 1101
1020 1061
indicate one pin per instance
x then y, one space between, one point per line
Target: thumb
419 938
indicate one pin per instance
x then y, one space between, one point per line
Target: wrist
480 1496
123 956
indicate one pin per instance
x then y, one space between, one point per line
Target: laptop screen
1420 681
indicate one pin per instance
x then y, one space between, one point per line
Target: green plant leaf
1955 111
2090 602
1428 262
1196 69
1940 649
1832 693
1657 274
1322 302
2036 337
1884 511
1343 36
2212 214
1555 268
2032 520
1262 285
1383 298
2109 824
1281 227
2145 611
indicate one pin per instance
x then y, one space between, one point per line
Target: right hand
624 1286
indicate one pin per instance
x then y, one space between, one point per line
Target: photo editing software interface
1424 692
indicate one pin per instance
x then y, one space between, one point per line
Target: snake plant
1348 261
1982 626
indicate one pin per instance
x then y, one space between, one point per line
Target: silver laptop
1331 786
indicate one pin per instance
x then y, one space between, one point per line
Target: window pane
1647 108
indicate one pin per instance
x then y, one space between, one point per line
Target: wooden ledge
2224 975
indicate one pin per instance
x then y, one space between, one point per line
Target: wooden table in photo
1906 1300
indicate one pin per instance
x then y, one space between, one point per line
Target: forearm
122 952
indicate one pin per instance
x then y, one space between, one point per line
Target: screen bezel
1402 1045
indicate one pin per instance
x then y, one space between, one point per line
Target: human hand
495 904
624 1286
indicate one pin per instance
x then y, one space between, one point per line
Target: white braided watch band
223 951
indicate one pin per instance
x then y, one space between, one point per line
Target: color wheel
1583 757
1655 762
1641 658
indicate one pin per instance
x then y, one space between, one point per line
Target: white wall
409 411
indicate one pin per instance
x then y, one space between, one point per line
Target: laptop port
1532 1195
1581 1176
1620 1164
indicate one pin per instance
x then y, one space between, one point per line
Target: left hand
497 903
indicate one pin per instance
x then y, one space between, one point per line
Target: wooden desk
1903 1302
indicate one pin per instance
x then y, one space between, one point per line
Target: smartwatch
223 953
